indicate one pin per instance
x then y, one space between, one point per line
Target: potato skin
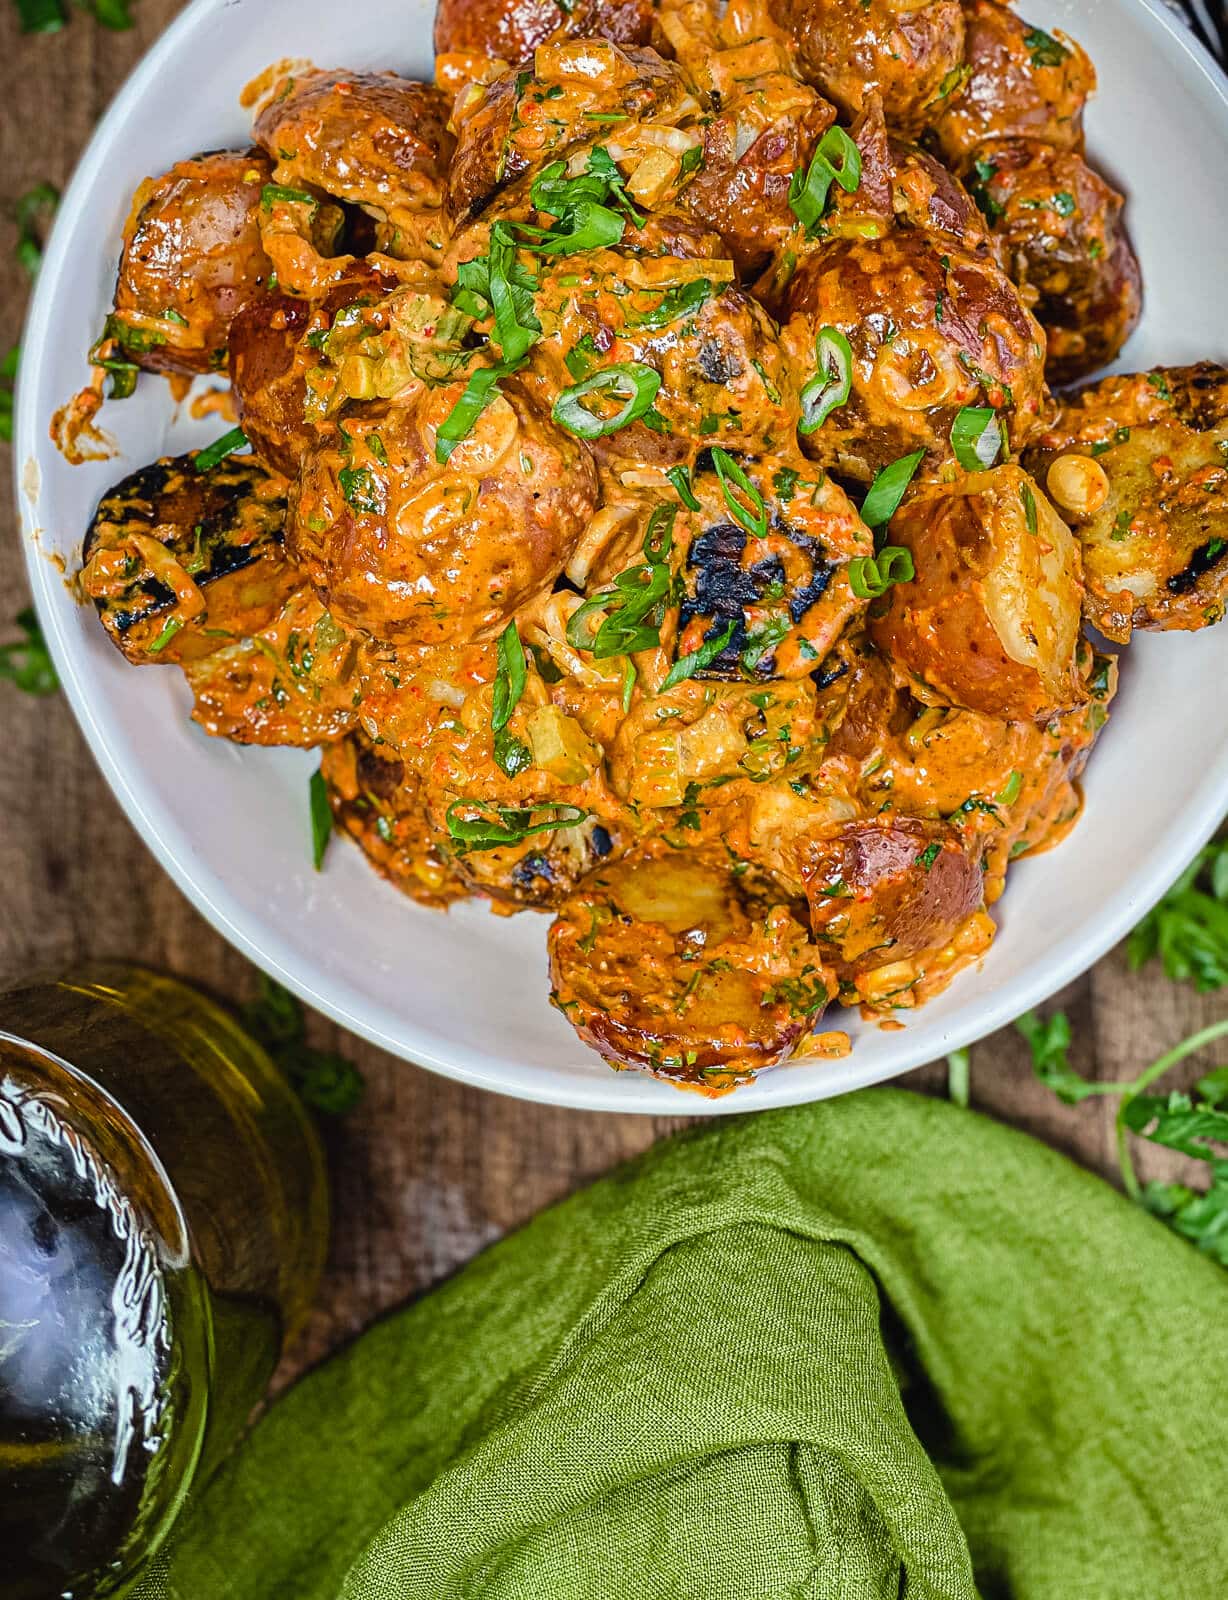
1155 555
898 48
191 259
528 120
932 329
991 621
198 552
680 967
889 889
1060 227
372 138
512 31
270 359
415 552
1021 85
292 682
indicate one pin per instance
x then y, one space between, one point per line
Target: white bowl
466 994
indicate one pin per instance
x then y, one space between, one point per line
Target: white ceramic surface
466 994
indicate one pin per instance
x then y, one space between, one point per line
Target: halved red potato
192 258
991 620
1019 83
294 682
887 892
677 964
372 138
416 551
511 30
905 50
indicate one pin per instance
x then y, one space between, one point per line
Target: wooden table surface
426 1171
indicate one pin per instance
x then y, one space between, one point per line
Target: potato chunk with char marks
1155 546
192 258
991 620
931 329
418 552
177 561
682 966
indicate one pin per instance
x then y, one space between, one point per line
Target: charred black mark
1205 558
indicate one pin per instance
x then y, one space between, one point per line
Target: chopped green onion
1009 792
832 383
513 826
1029 507
680 477
634 608
872 576
743 499
276 193
459 422
687 666
674 304
976 438
511 674
838 158
173 626
1044 48
630 381
321 819
217 452
887 490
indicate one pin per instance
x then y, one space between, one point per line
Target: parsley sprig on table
26 663
49 16
323 1079
1188 928
1191 1121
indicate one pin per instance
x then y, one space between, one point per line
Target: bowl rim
401 1036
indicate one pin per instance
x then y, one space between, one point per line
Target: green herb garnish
687 666
885 493
631 382
321 819
494 826
836 158
976 438
745 502
832 383
217 452
872 576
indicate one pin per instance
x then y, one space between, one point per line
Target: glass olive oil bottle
163 1222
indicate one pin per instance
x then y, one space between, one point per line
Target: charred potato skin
1155 554
373 138
270 356
985 582
1060 227
904 52
707 1000
191 259
889 889
415 552
932 329
513 32
376 800
223 531
1020 84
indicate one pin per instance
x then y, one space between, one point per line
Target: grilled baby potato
1018 83
903 50
291 682
886 895
1060 226
680 965
192 258
275 348
991 620
177 561
377 801
371 138
417 552
512 31
931 329
1139 463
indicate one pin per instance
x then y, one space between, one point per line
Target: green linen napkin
873 1348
